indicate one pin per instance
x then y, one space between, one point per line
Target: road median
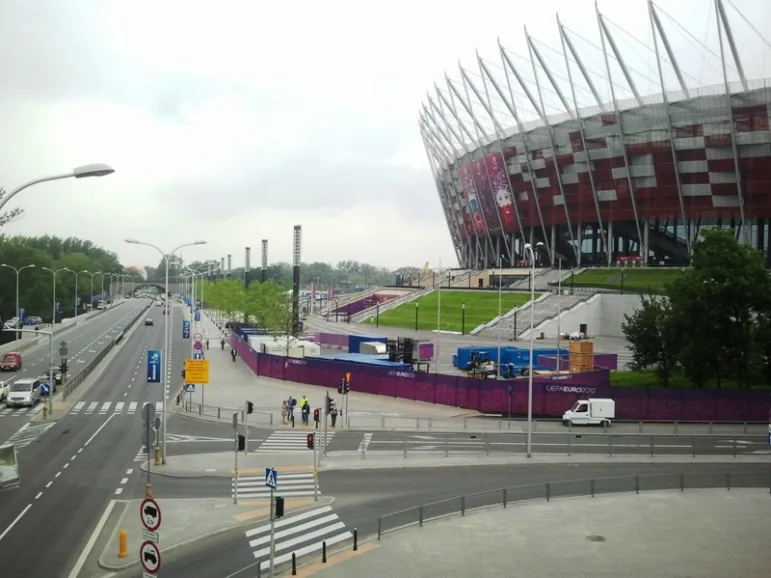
221 464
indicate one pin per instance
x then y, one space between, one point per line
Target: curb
112 568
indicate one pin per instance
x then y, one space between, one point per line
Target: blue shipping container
516 356
364 359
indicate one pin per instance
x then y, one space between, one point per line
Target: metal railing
549 491
226 413
559 444
479 424
74 381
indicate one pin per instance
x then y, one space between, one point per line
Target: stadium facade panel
626 181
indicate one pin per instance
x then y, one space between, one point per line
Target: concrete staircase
548 309
545 276
348 299
362 316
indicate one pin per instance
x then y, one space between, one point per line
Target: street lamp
529 250
53 331
76 287
85 171
92 287
166 257
18 310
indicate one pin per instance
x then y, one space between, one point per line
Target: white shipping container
373 348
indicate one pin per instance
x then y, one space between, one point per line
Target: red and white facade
628 180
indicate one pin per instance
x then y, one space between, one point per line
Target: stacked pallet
581 356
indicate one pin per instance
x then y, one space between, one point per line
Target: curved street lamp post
18 309
53 332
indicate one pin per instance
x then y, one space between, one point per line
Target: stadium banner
485 192
474 207
468 221
504 200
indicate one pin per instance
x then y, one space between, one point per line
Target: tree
653 337
11 215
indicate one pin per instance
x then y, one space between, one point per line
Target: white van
23 392
590 412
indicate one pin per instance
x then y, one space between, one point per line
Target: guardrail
74 381
549 491
226 413
487 444
472 424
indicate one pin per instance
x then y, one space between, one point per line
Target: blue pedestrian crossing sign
189 388
197 354
154 366
271 478
45 389
185 329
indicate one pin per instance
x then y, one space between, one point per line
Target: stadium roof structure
630 177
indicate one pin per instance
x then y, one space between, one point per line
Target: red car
11 362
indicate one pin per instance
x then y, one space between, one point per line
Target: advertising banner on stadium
485 192
468 221
504 200
474 206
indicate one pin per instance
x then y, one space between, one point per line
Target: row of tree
268 305
714 323
344 275
36 283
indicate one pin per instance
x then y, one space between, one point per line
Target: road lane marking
38 495
58 474
96 433
16 521
92 541
129 471
67 465
48 485
118 491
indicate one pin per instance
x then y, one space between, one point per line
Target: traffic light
341 387
249 407
278 512
346 386
241 443
329 405
311 440
316 415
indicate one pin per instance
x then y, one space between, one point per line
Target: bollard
122 544
157 455
355 539
148 490
294 564
45 411
324 552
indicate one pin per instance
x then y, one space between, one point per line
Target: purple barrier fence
601 361
552 395
338 340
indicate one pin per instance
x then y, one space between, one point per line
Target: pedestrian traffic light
278 512
241 443
249 407
316 415
341 387
346 386
329 405
311 440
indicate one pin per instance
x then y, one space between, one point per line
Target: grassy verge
632 280
648 378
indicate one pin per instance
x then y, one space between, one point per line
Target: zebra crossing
6 411
28 433
292 486
302 534
141 455
291 441
106 407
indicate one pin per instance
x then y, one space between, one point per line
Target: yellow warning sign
197 371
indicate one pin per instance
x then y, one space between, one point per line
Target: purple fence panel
337 340
467 393
425 350
601 361
606 360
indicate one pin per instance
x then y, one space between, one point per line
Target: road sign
148 412
198 338
198 355
158 422
150 514
148 438
63 350
189 388
45 389
197 371
150 536
185 329
271 478
154 357
198 346
150 556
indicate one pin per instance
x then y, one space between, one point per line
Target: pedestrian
284 412
207 343
333 414
306 410
179 398
222 344
233 355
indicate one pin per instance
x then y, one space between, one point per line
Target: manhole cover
596 538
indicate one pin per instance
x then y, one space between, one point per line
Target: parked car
33 320
148 321
24 392
12 323
12 361
58 377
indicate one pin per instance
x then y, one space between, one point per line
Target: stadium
609 179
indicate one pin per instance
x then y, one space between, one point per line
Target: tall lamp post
166 257
76 287
18 309
54 273
91 298
529 251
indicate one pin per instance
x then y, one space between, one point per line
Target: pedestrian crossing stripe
288 441
28 434
300 535
119 407
290 486
6 411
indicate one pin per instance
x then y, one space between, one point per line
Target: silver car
23 392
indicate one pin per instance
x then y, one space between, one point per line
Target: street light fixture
18 310
166 257
529 250
53 331
82 172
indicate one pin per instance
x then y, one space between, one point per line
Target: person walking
284 412
222 344
233 355
207 343
333 414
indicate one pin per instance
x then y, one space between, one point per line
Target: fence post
382 422
420 516
446 446
324 552
570 444
430 423
610 445
463 505
676 424
734 449
200 409
219 413
535 425
379 527
294 564
651 446
639 427
693 446
405 447
728 481
505 501
637 484
548 492
682 482
355 539
487 445
710 428
745 427
591 486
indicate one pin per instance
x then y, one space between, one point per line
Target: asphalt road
70 473
363 495
84 344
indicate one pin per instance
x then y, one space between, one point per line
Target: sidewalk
706 533
231 384
221 464
186 521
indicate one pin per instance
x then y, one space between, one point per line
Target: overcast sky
233 121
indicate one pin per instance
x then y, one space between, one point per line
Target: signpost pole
326 418
147 447
315 470
235 457
272 532
246 427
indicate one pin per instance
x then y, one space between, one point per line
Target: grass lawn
481 307
648 378
634 280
